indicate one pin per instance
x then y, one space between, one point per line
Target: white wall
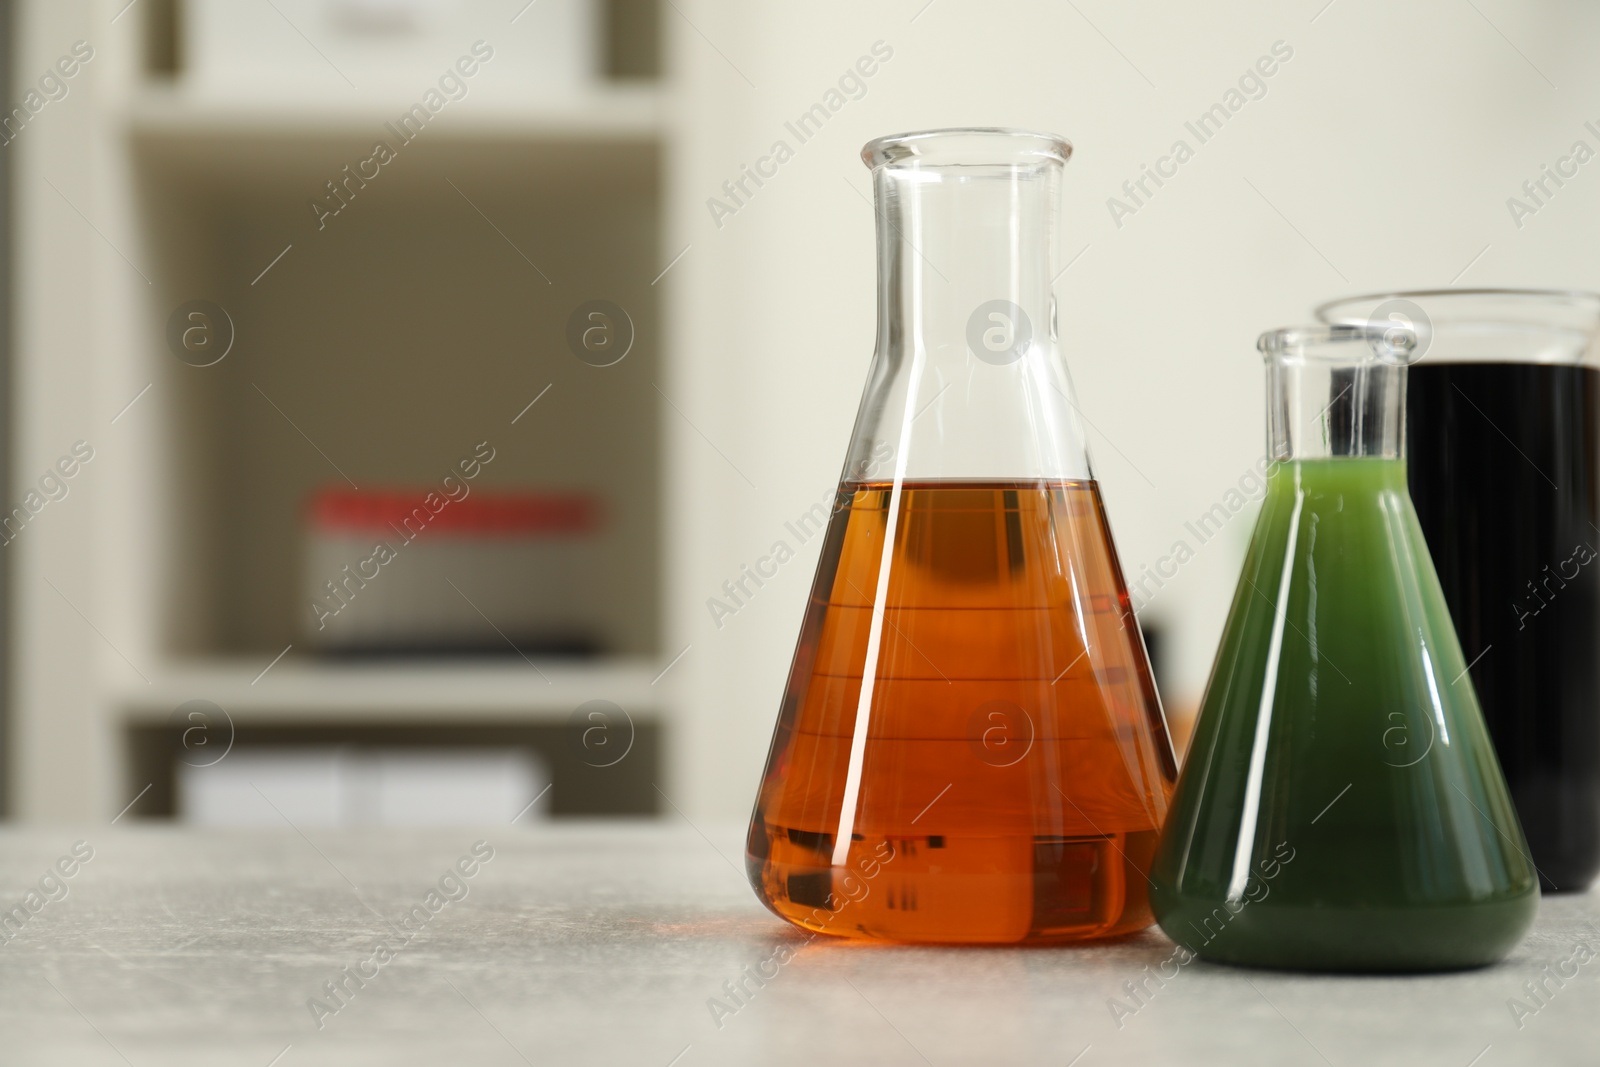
1389 143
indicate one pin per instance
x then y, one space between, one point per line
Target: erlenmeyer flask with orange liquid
970 746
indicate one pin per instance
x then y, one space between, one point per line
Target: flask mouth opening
1482 325
971 146
1341 344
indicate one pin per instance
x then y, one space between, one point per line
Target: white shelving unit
604 114
169 573
408 692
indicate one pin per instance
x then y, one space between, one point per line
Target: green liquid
1379 832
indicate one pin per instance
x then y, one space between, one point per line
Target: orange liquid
1011 775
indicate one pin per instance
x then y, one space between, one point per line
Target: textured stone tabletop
612 944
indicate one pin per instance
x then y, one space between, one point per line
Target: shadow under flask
1341 807
970 747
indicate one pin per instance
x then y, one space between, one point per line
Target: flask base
957 889
1355 939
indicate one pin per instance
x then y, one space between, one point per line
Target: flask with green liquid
1341 807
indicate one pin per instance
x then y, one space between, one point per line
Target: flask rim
1341 344
966 146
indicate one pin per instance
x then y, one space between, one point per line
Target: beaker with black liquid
1503 450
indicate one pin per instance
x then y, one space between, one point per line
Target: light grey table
606 943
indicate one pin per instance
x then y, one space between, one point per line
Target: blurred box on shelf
327 786
418 572
506 49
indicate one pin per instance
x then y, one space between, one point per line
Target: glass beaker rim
966 146
1578 299
1336 343
1483 324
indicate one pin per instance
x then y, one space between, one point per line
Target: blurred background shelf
308 690
601 758
332 381
175 114
418 319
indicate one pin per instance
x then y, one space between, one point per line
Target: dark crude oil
1009 780
1503 471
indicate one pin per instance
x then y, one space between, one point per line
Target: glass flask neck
1335 391
967 379
951 243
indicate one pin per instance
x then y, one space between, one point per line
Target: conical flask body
1340 805
970 747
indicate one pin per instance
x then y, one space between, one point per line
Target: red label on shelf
480 514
